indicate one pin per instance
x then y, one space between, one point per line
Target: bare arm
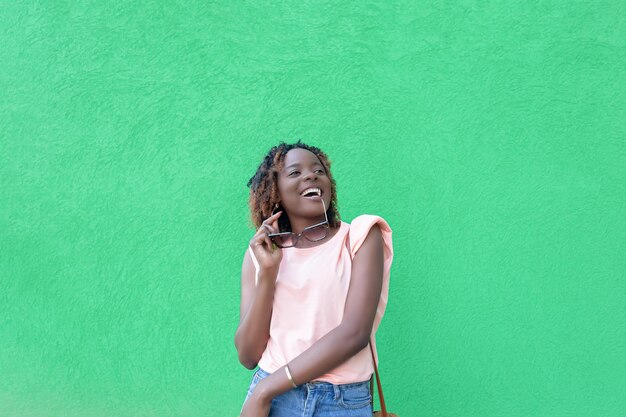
255 312
347 339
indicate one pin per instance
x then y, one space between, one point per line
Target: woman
313 291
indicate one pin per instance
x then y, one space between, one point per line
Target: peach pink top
310 295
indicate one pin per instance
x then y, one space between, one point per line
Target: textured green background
489 134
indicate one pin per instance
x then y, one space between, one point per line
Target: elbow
247 362
362 341
359 339
246 358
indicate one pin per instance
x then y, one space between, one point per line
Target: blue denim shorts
320 399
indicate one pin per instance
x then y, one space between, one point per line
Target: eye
293 172
321 171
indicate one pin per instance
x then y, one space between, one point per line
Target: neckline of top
341 226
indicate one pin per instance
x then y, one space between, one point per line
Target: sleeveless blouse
310 295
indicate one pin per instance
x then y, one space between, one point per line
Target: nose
310 175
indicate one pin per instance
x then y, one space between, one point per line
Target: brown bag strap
381 397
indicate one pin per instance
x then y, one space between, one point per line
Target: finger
271 228
256 237
261 239
259 236
262 230
257 241
272 218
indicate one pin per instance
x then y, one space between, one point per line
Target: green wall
490 135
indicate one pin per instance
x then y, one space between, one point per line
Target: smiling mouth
312 193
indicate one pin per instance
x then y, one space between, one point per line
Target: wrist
263 392
268 270
275 384
268 276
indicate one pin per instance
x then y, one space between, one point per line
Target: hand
266 252
256 406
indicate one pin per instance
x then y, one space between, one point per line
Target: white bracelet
289 376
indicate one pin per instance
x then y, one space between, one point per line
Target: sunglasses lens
316 233
283 240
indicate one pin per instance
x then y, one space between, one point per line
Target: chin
308 211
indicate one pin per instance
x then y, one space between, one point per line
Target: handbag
383 412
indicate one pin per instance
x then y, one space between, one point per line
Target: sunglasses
313 233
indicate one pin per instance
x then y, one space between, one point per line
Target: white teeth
312 190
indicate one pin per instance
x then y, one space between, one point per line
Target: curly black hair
264 186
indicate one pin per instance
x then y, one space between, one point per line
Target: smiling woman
283 166
313 292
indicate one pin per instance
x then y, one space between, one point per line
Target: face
302 171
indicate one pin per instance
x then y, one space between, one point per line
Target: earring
275 207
